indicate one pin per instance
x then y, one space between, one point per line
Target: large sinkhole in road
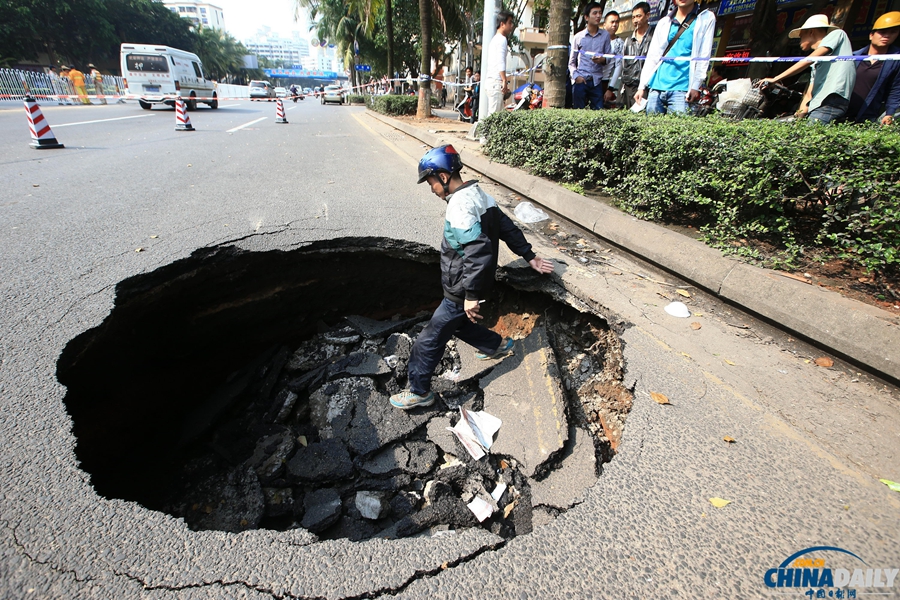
241 390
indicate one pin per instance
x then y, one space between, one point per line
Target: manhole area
250 390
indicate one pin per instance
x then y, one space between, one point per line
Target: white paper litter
475 431
678 309
639 106
481 509
498 491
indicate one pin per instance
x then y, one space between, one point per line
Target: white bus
157 74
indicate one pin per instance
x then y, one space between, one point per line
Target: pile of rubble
306 437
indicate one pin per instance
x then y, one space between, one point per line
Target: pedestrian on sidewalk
586 65
827 97
612 72
473 227
495 78
876 94
672 86
637 44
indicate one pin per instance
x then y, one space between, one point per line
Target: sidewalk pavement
852 330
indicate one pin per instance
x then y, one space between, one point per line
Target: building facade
290 52
202 14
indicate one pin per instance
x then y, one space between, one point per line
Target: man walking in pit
637 44
473 228
672 85
495 77
586 65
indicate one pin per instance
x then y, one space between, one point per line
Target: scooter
530 98
466 107
763 101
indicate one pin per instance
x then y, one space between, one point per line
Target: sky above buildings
244 17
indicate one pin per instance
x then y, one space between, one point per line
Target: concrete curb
852 330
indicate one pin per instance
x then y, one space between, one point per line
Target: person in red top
439 88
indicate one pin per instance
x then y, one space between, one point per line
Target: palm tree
556 66
220 52
423 110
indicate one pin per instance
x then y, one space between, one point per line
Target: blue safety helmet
443 158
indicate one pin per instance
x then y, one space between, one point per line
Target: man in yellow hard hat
876 94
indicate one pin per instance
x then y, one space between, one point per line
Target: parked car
333 93
261 90
280 92
307 91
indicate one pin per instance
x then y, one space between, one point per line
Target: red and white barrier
279 111
42 137
182 120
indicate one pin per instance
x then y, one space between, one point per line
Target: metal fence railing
16 84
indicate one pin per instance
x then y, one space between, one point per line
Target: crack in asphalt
35 560
418 575
378 593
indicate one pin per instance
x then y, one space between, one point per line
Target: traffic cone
182 121
42 137
279 111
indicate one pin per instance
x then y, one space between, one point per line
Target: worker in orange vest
77 79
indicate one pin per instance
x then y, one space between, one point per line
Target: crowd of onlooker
866 89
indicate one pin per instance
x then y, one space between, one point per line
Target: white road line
102 120
228 105
246 125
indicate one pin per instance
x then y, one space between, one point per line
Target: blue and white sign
363 68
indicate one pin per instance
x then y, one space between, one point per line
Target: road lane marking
102 120
406 157
228 105
246 124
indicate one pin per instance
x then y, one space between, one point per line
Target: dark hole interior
198 372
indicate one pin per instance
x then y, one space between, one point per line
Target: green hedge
791 186
356 98
396 105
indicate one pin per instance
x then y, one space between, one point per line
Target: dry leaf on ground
729 439
719 502
728 362
695 325
660 398
824 361
684 293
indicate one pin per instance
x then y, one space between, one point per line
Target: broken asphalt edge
854 331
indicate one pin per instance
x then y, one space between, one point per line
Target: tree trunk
556 67
389 26
423 110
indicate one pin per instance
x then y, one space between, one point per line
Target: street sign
363 68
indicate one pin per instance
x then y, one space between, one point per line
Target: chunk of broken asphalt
525 392
327 460
323 508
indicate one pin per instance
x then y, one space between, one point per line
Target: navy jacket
885 92
473 228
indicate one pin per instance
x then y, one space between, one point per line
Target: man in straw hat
876 95
828 95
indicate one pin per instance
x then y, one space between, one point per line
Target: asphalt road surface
129 194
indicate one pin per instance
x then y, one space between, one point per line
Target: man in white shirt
495 74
